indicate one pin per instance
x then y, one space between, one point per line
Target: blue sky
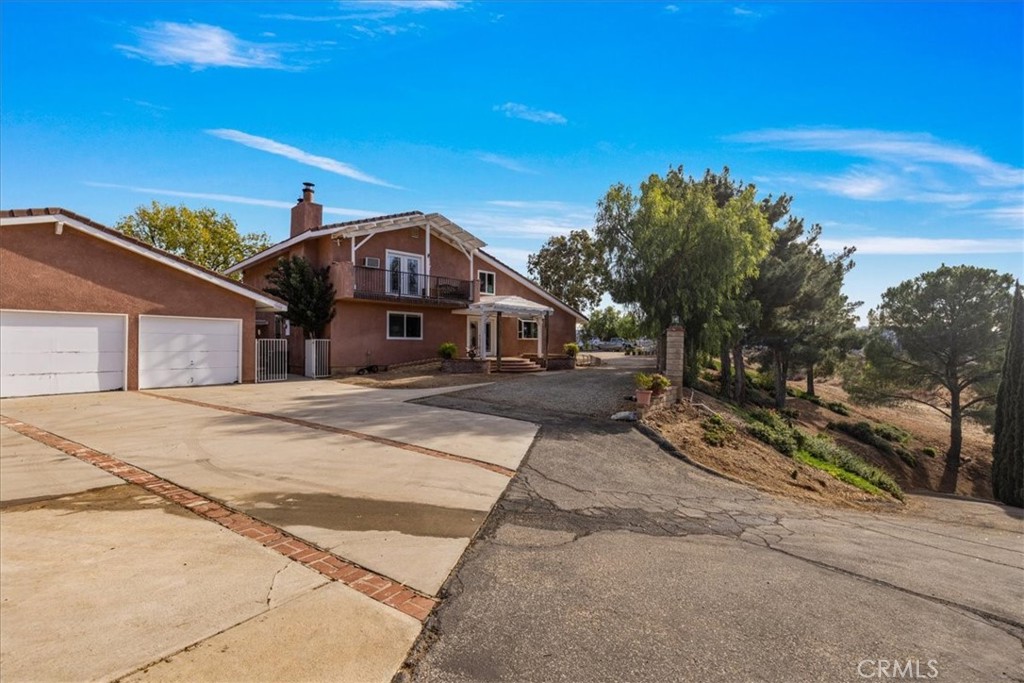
897 126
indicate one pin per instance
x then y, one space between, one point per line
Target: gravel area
591 391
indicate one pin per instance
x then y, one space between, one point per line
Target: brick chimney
307 214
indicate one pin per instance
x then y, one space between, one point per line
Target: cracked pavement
609 560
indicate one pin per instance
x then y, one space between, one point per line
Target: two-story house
406 283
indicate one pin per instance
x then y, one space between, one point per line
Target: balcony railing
379 283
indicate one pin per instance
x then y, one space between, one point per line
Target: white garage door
178 352
60 353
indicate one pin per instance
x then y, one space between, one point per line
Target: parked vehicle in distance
644 345
613 344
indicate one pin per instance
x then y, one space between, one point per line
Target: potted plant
570 349
643 388
447 350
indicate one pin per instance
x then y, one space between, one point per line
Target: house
406 283
86 308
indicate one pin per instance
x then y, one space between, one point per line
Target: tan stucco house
406 283
86 308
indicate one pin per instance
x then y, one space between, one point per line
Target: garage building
86 308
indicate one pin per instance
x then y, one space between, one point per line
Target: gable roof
531 285
64 218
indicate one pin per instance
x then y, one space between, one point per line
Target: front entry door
473 336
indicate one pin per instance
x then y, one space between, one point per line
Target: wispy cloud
228 198
534 205
672 8
200 46
893 147
372 10
515 110
295 154
504 218
909 246
504 162
148 105
739 11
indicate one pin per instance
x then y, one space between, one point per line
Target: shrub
447 350
570 349
891 433
930 451
659 382
839 408
760 380
772 430
865 433
824 449
643 380
716 430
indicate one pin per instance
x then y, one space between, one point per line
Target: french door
405 274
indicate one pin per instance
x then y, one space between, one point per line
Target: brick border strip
384 441
373 585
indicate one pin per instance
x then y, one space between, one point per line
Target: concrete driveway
295 531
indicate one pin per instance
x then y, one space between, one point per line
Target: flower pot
643 397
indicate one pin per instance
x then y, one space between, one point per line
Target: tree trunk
740 394
724 375
956 438
810 379
780 379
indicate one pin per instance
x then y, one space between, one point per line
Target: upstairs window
527 329
486 282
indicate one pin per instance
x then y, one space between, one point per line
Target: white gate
271 360
318 358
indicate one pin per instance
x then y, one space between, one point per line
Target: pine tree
1008 446
307 290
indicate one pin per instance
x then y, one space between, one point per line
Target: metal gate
271 360
318 358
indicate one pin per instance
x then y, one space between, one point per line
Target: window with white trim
486 282
528 329
405 325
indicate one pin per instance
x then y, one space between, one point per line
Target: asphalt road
610 560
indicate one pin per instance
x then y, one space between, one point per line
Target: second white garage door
178 352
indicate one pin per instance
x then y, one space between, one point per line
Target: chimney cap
308 186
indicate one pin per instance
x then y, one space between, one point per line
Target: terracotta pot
643 397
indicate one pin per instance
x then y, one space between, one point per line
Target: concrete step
516 365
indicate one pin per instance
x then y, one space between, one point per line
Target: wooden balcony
415 288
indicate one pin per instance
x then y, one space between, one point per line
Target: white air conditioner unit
371 262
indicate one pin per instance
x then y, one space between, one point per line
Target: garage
178 351
87 308
61 353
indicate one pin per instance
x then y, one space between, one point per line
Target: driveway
293 531
610 560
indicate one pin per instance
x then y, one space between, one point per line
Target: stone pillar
675 356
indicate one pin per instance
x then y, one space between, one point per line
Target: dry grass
764 468
421 376
755 463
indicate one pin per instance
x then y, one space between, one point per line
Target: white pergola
514 306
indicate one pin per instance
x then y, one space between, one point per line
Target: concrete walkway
134 582
609 560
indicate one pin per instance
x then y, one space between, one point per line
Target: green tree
308 291
1008 445
938 340
674 253
201 236
572 268
603 323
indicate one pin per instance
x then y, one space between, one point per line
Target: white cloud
200 46
909 246
298 155
744 12
515 110
504 218
534 205
893 147
504 162
672 8
230 199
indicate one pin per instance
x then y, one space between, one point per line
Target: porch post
497 340
541 334
547 328
481 337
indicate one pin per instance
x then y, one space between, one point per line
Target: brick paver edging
380 588
422 450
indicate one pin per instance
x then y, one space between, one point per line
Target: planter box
465 366
553 362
